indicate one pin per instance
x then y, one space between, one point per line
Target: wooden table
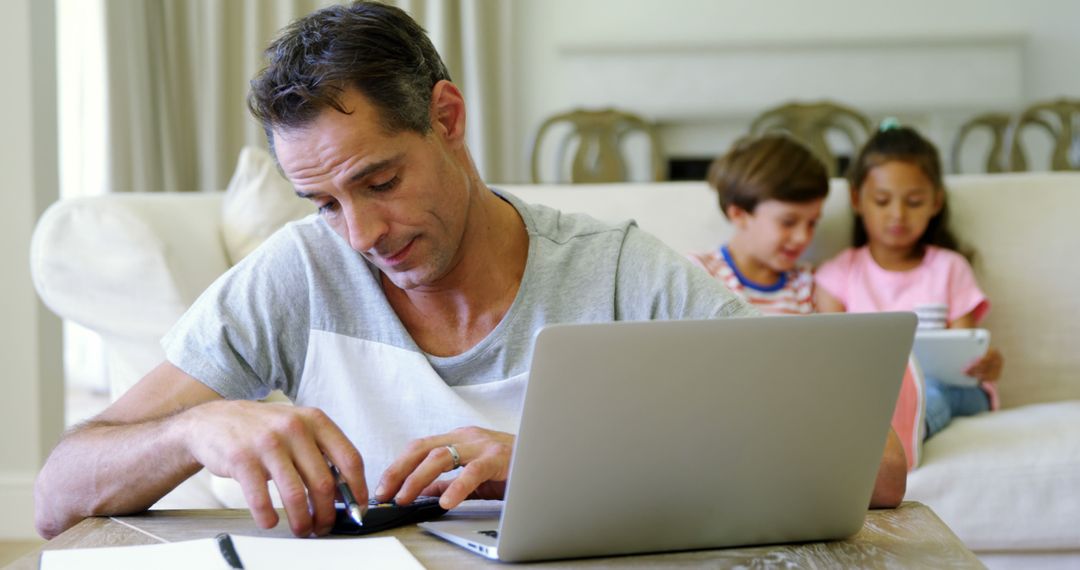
911 536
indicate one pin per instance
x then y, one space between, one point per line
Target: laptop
660 436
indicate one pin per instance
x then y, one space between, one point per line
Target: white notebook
256 553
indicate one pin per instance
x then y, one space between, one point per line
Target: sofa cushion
1019 224
258 201
126 266
684 215
975 472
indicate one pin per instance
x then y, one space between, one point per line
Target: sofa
1008 483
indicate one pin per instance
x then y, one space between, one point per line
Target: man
399 320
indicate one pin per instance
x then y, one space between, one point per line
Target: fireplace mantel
911 74
701 95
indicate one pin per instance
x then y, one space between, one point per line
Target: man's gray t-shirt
306 314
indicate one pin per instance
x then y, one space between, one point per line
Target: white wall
32 401
550 34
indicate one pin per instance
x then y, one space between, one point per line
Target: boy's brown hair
771 167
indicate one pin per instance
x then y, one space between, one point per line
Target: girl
904 256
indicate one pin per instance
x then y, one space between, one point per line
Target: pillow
258 202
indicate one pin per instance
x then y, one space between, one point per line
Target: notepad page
166 556
384 552
256 553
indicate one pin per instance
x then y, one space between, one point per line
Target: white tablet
943 354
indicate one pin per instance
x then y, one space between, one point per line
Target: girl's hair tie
888 124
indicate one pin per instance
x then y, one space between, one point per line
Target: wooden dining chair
999 125
1061 120
597 139
810 123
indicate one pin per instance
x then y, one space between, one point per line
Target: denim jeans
945 402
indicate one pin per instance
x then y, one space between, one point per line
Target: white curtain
176 79
473 38
153 97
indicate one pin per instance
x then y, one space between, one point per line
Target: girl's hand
987 368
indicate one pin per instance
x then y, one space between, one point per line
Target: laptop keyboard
491 533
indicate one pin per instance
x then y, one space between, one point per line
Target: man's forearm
104 468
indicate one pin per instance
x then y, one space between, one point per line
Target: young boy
771 189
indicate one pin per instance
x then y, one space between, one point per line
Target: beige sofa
1007 483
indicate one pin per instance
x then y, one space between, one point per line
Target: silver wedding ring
454 455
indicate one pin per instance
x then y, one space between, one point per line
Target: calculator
384 516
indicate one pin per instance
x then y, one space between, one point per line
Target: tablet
943 354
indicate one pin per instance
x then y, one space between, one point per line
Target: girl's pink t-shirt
944 276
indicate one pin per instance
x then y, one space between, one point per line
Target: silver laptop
679 435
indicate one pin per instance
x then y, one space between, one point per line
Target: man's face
400 200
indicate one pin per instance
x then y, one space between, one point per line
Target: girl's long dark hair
907 145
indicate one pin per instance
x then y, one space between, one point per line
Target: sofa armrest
126 266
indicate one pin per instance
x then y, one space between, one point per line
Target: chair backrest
999 125
1061 120
810 123
599 136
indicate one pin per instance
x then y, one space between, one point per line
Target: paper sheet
256 553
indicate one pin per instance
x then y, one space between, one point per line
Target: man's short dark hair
378 50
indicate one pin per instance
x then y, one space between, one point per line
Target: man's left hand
483 455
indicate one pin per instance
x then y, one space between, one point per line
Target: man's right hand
254 443
166 427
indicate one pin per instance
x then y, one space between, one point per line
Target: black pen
228 551
346 494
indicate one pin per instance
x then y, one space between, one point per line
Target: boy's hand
987 368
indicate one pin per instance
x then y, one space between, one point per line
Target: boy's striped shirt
793 294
